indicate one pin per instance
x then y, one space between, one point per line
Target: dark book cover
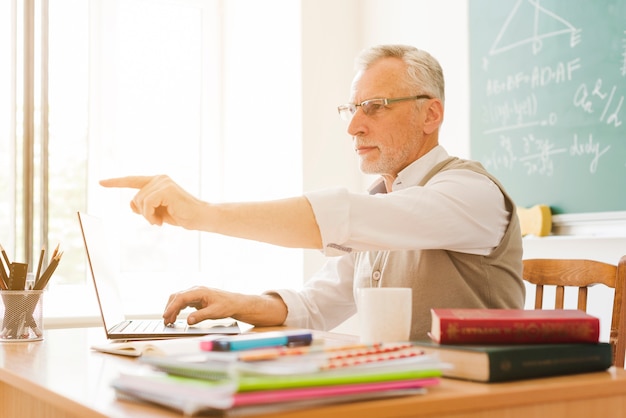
501 363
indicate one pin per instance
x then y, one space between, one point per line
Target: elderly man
437 224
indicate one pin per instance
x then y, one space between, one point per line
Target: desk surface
61 377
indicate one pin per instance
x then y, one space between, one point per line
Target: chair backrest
582 274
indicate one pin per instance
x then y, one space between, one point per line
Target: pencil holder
22 315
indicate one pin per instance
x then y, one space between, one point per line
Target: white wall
441 28
331 40
334 32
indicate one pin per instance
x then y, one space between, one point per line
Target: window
205 91
7 111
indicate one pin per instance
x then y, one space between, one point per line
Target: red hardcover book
511 326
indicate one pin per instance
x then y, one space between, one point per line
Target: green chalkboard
547 96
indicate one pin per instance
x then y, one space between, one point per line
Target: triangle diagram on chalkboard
529 23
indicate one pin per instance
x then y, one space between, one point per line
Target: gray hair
424 73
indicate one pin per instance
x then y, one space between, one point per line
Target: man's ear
434 116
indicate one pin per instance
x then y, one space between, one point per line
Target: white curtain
207 92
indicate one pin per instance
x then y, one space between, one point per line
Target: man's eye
371 108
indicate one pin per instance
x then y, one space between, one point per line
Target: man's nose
357 124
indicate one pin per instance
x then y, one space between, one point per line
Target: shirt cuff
297 315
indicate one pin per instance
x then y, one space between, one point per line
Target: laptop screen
102 271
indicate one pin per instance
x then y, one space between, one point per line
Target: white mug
384 314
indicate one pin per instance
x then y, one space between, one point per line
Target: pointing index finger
133 182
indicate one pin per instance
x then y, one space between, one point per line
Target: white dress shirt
457 210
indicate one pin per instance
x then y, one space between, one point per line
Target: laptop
116 325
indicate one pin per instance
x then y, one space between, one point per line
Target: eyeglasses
372 106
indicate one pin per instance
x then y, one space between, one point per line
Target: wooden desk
61 377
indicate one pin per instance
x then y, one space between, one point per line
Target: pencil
43 251
3 277
45 277
39 283
56 250
5 273
5 256
332 352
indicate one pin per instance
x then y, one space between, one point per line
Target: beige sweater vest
448 279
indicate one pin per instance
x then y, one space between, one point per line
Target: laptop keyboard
143 326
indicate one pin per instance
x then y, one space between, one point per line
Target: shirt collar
413 173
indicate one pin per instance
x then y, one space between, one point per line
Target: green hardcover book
501 363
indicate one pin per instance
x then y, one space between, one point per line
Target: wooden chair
583 274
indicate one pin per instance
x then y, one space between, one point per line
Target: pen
258 340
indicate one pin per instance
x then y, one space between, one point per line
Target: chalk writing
539 76
539 153
584 100
537 37
548 99
623 67
513 111
502 160
588 148
613 118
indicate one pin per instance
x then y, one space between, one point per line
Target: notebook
116 325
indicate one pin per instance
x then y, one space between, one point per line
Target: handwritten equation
538 154
567 107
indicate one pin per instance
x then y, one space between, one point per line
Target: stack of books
498 345
268 380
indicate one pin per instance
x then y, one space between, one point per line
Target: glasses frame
347 111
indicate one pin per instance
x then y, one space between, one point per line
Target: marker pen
258 340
